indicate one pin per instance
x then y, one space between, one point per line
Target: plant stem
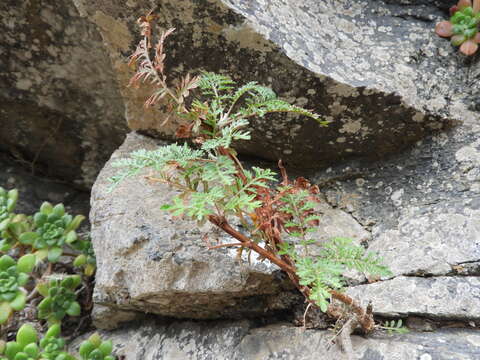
222 223
364 318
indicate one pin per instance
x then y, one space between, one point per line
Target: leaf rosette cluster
27 347
59 299
96 349
463 26
54 228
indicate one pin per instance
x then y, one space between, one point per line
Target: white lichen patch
468 154
351 127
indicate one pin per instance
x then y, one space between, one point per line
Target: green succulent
87 258
53 346
59 299
95 349
13 276
24 348
54 229
463 26
8 201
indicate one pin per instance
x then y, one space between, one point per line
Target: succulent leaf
26 335
26 263
469 47
18 303
5 312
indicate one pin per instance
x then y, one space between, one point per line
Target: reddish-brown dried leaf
184 131
444 29
469 47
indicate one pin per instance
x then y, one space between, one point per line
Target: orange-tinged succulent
463 26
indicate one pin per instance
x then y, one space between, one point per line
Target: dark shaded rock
61 111
34 190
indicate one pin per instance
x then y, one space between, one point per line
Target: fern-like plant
278 216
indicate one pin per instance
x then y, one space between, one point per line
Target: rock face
61 111
374 68
242 340
148 261
442 297
422 208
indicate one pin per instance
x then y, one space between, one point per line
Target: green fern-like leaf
156 159
256 92
222 170
276 105
213 84
343 251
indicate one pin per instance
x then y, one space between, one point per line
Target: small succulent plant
8 200
53 347
59 299
86 259
463 26
26 346
96 349
54 229
13 276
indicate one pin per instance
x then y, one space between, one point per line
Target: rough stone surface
422 208
243 341
443 297
431 243
374 68
61 110
148 261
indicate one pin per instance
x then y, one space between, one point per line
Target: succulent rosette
463 26
13 276
26 346
95 349
59 299
54 229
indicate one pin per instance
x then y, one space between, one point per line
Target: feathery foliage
278 218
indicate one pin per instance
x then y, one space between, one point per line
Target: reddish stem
364 318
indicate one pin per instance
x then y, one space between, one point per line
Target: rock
443 297
34 190
242 340
109 318
61 114
430 243
149 262
376 70
422 207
